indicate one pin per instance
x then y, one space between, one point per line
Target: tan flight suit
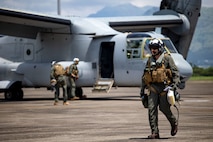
157 96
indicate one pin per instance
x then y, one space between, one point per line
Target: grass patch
201 78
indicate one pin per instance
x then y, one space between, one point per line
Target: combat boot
174 129
66 103
55 103
154 136
74 98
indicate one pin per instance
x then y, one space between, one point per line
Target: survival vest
157 74
67 71
59 70
74 70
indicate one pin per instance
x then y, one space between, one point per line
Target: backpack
59 70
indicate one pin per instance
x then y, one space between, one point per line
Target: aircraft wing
18 23
163 18
24 24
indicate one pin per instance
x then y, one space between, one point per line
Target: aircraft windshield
134 48
169 45
139 47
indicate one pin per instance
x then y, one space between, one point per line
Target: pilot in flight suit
160 72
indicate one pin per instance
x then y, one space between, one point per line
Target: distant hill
124 10
201 49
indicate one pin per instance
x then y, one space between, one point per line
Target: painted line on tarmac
196 101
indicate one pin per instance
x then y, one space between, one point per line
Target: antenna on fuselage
59 7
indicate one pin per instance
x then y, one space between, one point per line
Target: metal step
103 85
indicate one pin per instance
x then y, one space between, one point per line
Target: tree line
197 71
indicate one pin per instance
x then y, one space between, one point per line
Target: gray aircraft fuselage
113 48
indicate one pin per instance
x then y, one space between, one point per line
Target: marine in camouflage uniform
58 78
72 77
157 96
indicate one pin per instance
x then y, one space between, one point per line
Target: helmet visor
154 46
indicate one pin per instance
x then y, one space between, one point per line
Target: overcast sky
77 7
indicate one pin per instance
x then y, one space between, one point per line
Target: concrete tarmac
117 116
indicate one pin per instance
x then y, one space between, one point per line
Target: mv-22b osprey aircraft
112 48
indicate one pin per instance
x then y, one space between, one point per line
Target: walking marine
72 73
58 79
160 73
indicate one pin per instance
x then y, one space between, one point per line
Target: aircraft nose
183 66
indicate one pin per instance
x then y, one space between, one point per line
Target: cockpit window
134 48
146 50
169 45
139 47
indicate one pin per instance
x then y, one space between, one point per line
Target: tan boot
74 98
66 103
154 136
55 103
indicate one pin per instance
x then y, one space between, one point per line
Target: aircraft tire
8 95
19 94
79 92
14 95
182 85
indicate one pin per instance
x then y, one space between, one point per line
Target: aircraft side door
106 67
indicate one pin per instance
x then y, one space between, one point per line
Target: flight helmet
157 44
76 59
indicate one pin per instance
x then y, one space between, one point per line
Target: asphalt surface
117 116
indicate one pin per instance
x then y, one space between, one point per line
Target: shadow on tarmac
114 98
139 139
